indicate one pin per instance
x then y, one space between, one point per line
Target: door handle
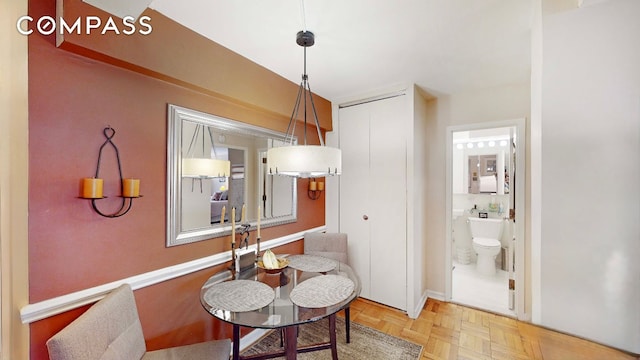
365 217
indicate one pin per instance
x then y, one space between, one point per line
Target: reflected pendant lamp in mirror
204 168
304 160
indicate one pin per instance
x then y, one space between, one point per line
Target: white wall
332 183
590 212
417 248
14 182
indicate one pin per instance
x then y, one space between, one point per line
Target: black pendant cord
305 81
304 39
315 115
109 133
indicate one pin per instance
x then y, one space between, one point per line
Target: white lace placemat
322 291
312 263
239 295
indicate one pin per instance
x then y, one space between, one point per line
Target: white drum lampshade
205 168
304 161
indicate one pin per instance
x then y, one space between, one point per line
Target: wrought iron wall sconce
92 188
315 189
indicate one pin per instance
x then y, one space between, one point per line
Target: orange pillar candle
92 188
131 187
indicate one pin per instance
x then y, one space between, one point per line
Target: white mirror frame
175 116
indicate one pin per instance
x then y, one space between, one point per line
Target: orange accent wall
176 54
72 97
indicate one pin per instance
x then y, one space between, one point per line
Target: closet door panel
388 167
354 190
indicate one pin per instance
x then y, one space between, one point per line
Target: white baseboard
415 312
435 295
46 308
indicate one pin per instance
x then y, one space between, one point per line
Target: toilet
485 234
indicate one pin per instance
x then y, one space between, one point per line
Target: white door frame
520 126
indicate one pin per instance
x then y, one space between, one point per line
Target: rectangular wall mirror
195 203
482 161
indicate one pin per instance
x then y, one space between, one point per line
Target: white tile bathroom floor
480 291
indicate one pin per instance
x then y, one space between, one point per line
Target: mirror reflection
216 165
482 161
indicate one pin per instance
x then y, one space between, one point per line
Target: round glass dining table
309 289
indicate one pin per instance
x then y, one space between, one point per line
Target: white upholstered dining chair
333 246
111 330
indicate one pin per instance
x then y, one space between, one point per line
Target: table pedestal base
290 350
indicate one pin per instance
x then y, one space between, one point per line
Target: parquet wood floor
450 331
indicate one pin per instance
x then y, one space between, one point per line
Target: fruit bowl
282 263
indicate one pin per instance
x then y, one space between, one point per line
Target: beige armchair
333 246
111 330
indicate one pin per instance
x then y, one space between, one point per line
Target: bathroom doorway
485 180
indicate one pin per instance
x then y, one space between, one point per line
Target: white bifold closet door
373 196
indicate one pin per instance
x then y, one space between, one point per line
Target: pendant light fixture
304 160
205 167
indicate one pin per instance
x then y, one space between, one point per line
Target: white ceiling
362 46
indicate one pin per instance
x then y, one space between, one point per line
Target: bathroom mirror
198 204
481 161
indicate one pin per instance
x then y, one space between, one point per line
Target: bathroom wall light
92 188
472 143
315 189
